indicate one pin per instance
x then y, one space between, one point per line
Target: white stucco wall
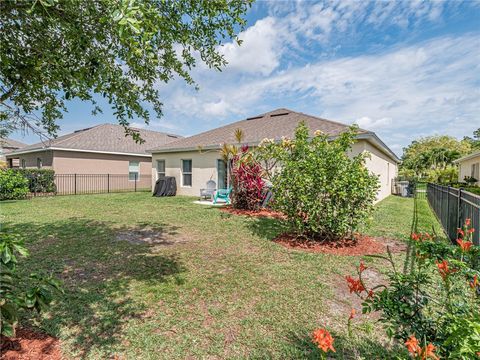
465 168
205 168
379 164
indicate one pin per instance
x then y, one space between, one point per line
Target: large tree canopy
56 50
433 155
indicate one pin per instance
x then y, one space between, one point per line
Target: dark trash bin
166 186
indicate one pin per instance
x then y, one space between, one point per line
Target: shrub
12 185
20 292
39 180
323 192
247 182
436 299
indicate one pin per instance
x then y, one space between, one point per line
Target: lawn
207 285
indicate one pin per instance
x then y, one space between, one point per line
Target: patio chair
209 191
223 194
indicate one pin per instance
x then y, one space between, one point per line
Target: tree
432 154
475 141
57 50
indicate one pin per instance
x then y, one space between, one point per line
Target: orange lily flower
355 286
464 245
352 314
323 339
412 345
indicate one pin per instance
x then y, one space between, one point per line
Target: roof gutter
467 157
20 152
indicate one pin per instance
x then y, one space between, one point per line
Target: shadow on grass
346 348
267 228
98 272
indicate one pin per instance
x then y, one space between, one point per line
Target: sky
403 69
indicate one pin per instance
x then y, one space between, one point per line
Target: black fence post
108 183
75 183
459 215
136 182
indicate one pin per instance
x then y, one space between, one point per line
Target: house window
23 164
222 174
186 172
160 169
39 163
475 171
133 170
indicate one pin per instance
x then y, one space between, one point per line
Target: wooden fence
452 207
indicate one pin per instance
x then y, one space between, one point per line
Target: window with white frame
475 171
160 169
133 170
186 172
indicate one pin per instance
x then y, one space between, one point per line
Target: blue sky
403 69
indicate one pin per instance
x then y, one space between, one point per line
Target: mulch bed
257 213
361 245
29 345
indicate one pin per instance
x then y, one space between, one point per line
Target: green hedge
12 185
39 180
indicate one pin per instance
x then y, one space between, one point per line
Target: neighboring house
102 149
469 166
6 147
196 159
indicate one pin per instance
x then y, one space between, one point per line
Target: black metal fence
77 184
452 207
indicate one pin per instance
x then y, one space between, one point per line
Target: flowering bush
324 193
247 182
436 299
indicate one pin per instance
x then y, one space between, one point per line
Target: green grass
218 287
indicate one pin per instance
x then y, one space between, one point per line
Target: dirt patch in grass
28 344
361 245
150 237
254 213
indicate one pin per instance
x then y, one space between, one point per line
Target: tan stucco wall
31 159
465 168
205 168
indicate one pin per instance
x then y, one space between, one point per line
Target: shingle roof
12 144
272 125
107 138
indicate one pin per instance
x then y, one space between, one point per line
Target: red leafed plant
248 185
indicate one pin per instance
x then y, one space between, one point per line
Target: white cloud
258 53
373 124
403 93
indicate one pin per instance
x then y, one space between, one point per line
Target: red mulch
254 213
361 245
29 345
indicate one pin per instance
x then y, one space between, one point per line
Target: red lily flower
474 282
460 232
362 267
355 286
444 269
467 222
464 245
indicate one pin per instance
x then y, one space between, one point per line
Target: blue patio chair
223 194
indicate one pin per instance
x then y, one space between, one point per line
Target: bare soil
254 213
150 237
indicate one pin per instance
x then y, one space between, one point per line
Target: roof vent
255 117
77 131
280 114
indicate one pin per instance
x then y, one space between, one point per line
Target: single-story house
101 149
6 147
196 159
469 166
